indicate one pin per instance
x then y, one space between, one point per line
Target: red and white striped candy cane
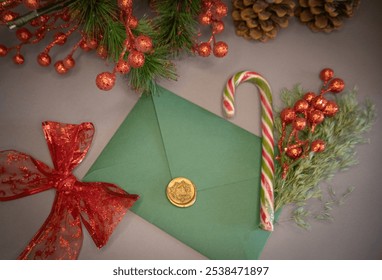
267 164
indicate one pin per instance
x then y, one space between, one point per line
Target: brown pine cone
325 15
261 19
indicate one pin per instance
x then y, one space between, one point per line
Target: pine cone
325 15
261 19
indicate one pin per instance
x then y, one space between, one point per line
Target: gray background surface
30 94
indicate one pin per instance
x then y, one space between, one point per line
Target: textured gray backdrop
30 94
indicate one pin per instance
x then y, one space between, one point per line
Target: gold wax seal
181 192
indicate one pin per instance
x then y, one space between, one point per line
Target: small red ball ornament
136 59
316 117
143 43
319 102
133 22
309 96
23 34
69 62
204 49
219 10
105 81
299 123
336 85
294 152
205 18
317 146
125 4
3 50
122 67
102 52
84 46
326 74
60 67
32 4
60 38
331 109
288 115
217 27
220 49
18 59
301 106
8 16
44 59
92 44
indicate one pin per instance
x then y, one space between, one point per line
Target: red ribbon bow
100 206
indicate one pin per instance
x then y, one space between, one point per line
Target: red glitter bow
100 206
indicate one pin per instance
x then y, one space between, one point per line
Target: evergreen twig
342 133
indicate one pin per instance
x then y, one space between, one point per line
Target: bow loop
21 175
100 206
68 143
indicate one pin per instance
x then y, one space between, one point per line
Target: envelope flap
202 146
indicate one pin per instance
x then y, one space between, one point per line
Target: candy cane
267 164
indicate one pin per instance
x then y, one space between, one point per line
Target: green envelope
166 136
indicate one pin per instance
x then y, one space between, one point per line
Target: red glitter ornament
219 10
309 96
336 85
60 67
220 49
288 115
23 34
317 146
69 62
326 74
125 4
60 38
102 51
204 49
8 16
299 123
301 106
32 4
133 22
143 43
217 27
136 59
18 59
331 109
105 81
44 59
319 102
122 67
205 18
84 46
3 50
92 44
294 152
316 117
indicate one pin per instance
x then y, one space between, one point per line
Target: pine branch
99 19
177 23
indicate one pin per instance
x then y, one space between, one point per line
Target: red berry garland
305 115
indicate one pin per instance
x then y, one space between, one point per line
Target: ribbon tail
60 237
102 208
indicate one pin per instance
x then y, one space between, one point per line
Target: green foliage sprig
176 23
100 18
342 133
